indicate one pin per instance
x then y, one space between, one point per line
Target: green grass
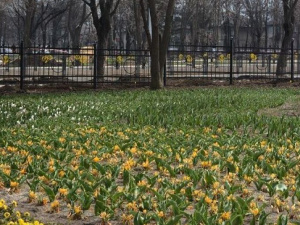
156 156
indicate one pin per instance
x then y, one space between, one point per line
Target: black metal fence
39 66
230 63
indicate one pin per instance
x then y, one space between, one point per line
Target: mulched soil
171 84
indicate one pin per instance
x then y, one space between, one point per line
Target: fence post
231 61
22 65
95 65
165 73
292 60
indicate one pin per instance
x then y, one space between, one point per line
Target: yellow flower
263 143
254 211
146 164
205 164
27 214
63 191
127 219
55 205
14 184
132 206
160 214
51 162
21 222
18 214
248 178
96 159
208 200
180 57
6 215
129 164
31 196
216 185
253 57
43 201
77 210
142 183
61 173
226 215
23 171
62 140
2 203
104 215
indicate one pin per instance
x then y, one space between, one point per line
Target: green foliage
167 157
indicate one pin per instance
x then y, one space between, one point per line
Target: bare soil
290 108
171 84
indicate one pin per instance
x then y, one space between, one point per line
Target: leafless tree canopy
256 23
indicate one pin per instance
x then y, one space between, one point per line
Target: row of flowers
10 216
144 175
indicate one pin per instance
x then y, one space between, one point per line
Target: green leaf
126 177
49 192
209 178
86 201
99 207
242 203
237 220
99 167
282 220
292 164
253 221
298 194
174 205
262 218
138 219
197 217
174 220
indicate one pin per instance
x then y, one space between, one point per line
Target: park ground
211 154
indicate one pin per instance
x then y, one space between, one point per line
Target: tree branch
115 9
146 27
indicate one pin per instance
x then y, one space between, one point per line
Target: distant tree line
150 24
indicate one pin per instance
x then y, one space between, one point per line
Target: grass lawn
195 156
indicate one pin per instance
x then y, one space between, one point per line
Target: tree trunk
102 24
75 25
101 52
288 26
156 76
282 60
30 9
158 43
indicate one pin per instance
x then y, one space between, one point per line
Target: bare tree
102 13
256 11
30 9
138 24
36 15
289 7
159 39
3 20
77 16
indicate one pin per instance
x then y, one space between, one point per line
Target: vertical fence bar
231 61
292 60
95 66
165 73
22 65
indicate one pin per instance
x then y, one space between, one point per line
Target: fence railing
222 62
78 66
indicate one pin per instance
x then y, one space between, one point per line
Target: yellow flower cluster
14 217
